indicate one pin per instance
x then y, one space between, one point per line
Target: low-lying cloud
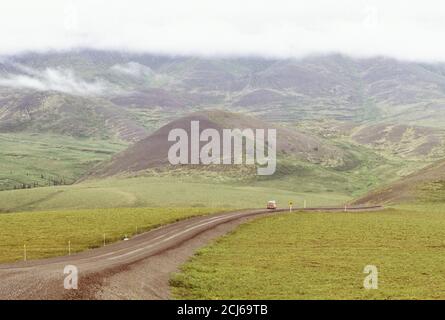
133 69
285 28
50 79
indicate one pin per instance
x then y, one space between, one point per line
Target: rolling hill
426 185
308 163
403 140
152 151
65 114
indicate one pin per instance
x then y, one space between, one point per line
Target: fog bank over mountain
279 29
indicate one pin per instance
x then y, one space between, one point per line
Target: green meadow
159 192
47 233
46 218
322 256
36 160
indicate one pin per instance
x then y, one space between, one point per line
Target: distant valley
345 124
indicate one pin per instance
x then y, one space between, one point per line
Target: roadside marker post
346 209
69 247
290 206
24 252
104 239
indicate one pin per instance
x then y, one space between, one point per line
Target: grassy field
46 234
322 256
29 159
370 172
46 218
155 192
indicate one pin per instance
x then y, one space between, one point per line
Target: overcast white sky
403 29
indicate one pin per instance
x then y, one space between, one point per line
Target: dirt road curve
135 269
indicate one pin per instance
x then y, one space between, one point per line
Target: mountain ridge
331 86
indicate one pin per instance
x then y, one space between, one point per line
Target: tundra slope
425 185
